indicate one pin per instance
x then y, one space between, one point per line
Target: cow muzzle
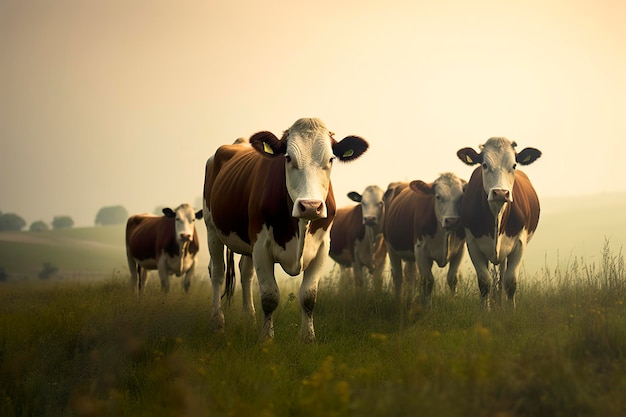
185 237
499 195
309 209
451 223
370 221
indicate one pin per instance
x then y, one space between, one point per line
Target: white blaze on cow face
184 222
498 167
308 161
372 205
448 192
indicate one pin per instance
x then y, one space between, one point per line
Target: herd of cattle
271 200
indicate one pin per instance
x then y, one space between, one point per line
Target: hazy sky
121 102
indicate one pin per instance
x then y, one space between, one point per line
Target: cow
272 202
500 212
167 243
356 238
422 225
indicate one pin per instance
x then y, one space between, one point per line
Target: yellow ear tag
267 149
526 159
348 153
468 159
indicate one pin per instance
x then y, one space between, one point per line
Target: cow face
372 205
184 221
309 150
448 193
499 161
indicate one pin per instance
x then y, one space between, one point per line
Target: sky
121 102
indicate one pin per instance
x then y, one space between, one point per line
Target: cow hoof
217 322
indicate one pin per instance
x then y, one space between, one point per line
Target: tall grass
93 349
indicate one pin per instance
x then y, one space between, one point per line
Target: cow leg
377 275
187 278
425 266
217 272
514 263
143 278
308 292
270 294
498 281
246 268
133 267
163 274
358 271
396 274
453 271
410 277
481 265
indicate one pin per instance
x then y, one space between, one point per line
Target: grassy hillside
85 251
93 349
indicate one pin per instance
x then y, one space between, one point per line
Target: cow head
184 221
499 161
308 149
448 193
372 205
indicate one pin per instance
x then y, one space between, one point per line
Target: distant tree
39 226
111 215
48 270
12 222
62 222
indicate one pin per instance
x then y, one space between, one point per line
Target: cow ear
267 144
469 156
349 148
419 186
354 196
198 214
168 212
527 156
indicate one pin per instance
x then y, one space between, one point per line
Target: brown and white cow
422 225
167 243
356 238
273 203
500 212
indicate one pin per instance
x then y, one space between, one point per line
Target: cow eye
332 159
287 158
514 166
484 166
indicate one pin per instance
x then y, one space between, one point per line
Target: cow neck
276 203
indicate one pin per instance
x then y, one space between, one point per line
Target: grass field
90 348
81 344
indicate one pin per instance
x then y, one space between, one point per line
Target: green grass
90 348
77 251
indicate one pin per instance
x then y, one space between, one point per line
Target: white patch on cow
372 207
308 162
498 254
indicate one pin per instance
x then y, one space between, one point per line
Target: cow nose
310 209
185 237
370 220
451 222
500 195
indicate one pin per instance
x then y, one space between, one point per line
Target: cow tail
229 290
